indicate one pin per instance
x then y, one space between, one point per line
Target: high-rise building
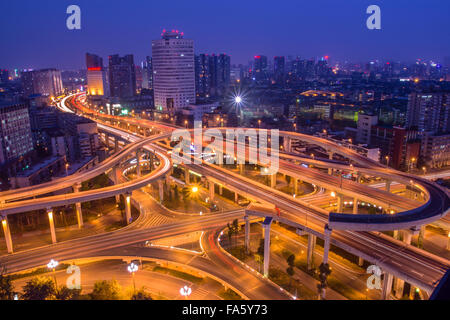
429 112
122 76
4 76
278 70
202 75
96 76
173 71
45 82
260 71
147 73
15 132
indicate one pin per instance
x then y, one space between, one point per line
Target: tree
39 288
324 272
290 270
6 286
106 290
65 293
141 294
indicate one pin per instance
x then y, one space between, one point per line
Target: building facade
122 76
46 82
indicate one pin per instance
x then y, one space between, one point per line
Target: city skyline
324 28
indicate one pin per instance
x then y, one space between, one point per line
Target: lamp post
387 160
52 265
132 268
185 291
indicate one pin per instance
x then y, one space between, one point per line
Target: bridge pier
387 286
407 236
128 207
236 197
295 186
388 185
399 286
355 206
310 252
76 188
52 224
138 163
211 190
340 202
220 189
360 261
287 144
266 225
326 245
187 177
330 156
161 190
116 181
247 233
273 180
241 168
7 233
116 144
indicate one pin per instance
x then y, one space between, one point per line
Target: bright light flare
238 99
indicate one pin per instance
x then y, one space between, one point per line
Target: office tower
429 112
4 76
122 76
139 77
278 70
15 132
45 82
147 73
173 71
219 68
96 76
202 75
260 72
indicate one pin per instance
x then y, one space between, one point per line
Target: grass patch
179 274
228 294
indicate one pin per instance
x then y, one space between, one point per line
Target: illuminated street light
132 268
185 291
194 189
238 99
333 194
52 265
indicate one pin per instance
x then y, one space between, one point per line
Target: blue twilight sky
33 33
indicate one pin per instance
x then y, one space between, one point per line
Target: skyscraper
202 75
122 76
429 112
46 82
278 70
147 73
260 69
96 76
173 71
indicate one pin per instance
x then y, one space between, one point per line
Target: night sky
33 33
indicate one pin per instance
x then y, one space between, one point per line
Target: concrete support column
330 156
52 224
387 286
220 189
273 180
107 140
295 186
355 206
310 253
128 207
187 176
7 233
138 163
266 225
326 245
211 190
407 235
116 144
399 286
115 179
287 143
340 202
360 261
76 188
236 197
247 233
241 168
161 190
388 185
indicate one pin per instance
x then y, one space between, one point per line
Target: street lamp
194 189
132 268
52 265
387 160
333 194
238 99
185 291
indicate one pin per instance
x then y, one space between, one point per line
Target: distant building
45 82
279 70
96 76
429 112
212 74
173 72
122 76
260 69
365 124
435 150
202 75
147 73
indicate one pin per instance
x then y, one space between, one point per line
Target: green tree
65 293
106 290
141 294
39 288
6 286
290 270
